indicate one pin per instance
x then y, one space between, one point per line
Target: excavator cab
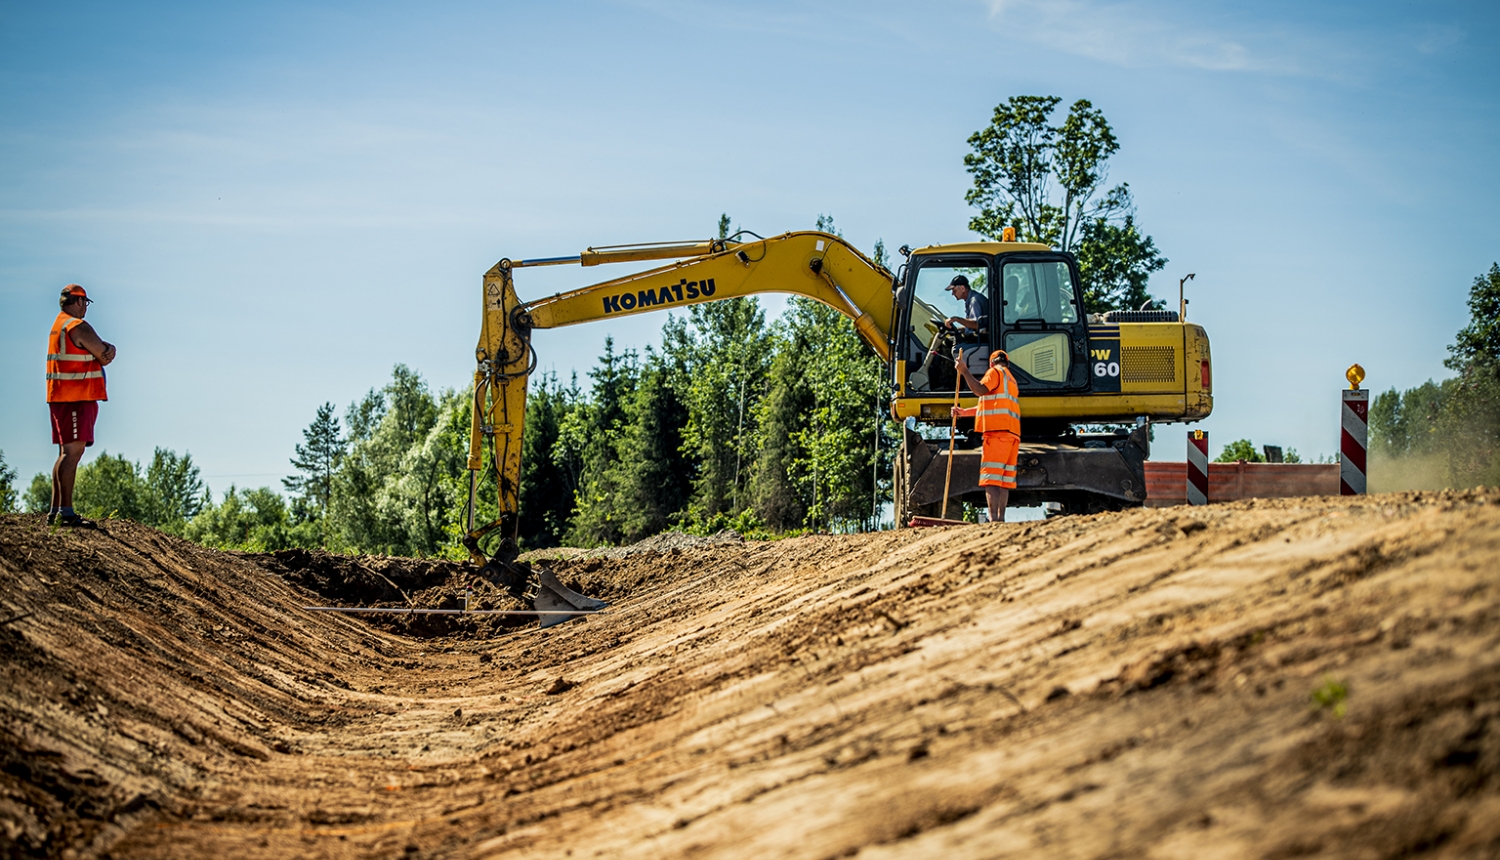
1035 316
1033 309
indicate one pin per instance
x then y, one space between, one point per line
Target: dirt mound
664 542
397 583
1311 677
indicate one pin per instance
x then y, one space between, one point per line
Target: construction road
1291 678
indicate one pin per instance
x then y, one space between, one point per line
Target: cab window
929 345
935 302
1040 292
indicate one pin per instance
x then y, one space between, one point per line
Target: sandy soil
1290 678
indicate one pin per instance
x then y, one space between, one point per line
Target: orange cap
76 292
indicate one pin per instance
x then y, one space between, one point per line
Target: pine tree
316 462
593 432
721 352
175 489
776 491
549 468
652 478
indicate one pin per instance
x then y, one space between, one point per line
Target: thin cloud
1436 39
1136 35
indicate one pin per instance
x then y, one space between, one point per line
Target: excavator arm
816 265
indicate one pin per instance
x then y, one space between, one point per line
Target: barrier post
1197 467
1354 434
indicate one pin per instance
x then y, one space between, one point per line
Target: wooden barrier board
1166 482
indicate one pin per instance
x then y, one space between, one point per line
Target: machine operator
976 307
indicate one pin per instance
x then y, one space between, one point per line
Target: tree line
769 427
732 421
1453 426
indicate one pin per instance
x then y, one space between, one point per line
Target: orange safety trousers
997 464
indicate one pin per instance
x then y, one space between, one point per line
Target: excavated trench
1298 677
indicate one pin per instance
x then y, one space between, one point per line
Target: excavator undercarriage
1083 473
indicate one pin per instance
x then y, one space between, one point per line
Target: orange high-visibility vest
72 372
1000 410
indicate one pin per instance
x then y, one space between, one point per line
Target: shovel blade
553 596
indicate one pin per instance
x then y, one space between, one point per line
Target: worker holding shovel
998 417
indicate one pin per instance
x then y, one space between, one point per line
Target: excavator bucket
553 596
541 590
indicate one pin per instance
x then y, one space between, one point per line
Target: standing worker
75 384
998 417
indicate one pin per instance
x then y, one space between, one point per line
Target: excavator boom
816 265
1073 368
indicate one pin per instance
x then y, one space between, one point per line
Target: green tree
1116 262
39 495
316 462
366 507
1470 424
167 495
777 491
8 494
592 434
250 520
838 443
819 425
353 524
426 496
175 490
648 476
1457 421
1478 344
112 486
1240 449
721 352
1049 183
550 469
1406 424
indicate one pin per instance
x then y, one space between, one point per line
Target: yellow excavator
1076 371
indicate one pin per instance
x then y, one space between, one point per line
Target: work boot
74 521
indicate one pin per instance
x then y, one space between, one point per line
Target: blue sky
274 203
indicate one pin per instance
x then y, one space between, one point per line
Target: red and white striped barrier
1352 441
1197 467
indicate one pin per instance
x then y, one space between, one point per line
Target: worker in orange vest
998 417
76 357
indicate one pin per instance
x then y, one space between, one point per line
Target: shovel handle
958 381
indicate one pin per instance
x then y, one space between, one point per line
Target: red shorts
997 466
74 421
